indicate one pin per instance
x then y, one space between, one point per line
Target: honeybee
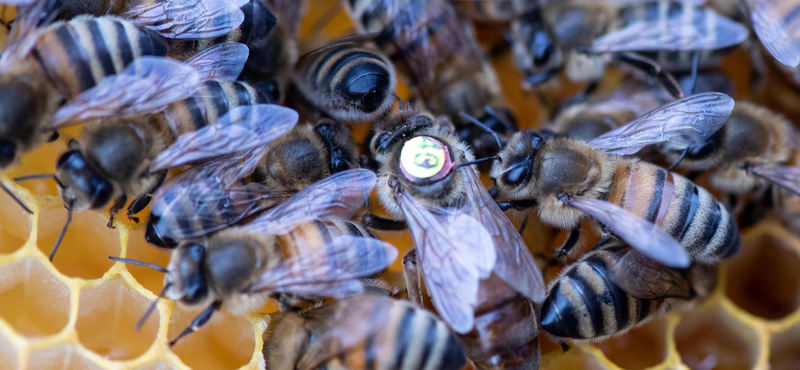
774 24
216 195
652 36
347 81
436 51
658 213
304 248
362 332
613 289
473 261
752 150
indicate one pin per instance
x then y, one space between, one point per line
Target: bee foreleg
143 200
519 205
652 68
198 322
572 240
411 274
119 202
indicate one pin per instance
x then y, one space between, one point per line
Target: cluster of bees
240 145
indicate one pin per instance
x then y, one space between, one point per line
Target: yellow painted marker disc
423 157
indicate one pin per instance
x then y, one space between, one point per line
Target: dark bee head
366 87
397 128
153 236
340 144
187 275
534 49
79 184
515 168
20 113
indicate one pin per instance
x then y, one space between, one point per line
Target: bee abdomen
423 342
78 54
585 304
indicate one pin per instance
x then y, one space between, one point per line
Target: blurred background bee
302 250
362 332
642 204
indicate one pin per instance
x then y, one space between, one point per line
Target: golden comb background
79 312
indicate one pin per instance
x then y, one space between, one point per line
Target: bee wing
339 195
703 29
343 325
644 278
332 271
213 194
147 85
456 253
515 264
772 31
31 17
786 176
243 128
686 122
223 61
642 235
187 19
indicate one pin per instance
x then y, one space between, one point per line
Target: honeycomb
79 312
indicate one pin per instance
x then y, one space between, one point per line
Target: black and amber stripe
409 339
77 54
585 303
687 212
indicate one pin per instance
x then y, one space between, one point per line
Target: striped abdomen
411 338
584 303
506 332
687 212
313 236
209 102
77 54
347 81
257 24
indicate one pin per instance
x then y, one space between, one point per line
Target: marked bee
476 267
658 213
613 289
303 249
435 49
224 192
347 81
362 332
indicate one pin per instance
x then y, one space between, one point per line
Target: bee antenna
15 198
35 177
482 126
152 307
496 116
63 230
139 263
470 163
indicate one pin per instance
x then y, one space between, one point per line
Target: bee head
513 171
187 274
79 184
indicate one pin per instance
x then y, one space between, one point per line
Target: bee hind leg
569 244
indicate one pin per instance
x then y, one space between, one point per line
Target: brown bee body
585 303
347 81
585 122
67 59
545 169
390 334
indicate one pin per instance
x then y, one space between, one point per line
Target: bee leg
411 273
571 242
137 206
519 205
198 322
524 223
118 204
733 201
564 346
652 68
53 137
376 222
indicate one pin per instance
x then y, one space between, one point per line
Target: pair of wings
460 246
188 19
149 84
685 123
686 28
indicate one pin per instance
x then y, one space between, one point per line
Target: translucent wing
772 31
147 85
702 29
31 17
786 176
456 253
515 264
243 128
339 195
639 233
686 122
187 19
644 278
343 325
331 271
223 61
213 194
